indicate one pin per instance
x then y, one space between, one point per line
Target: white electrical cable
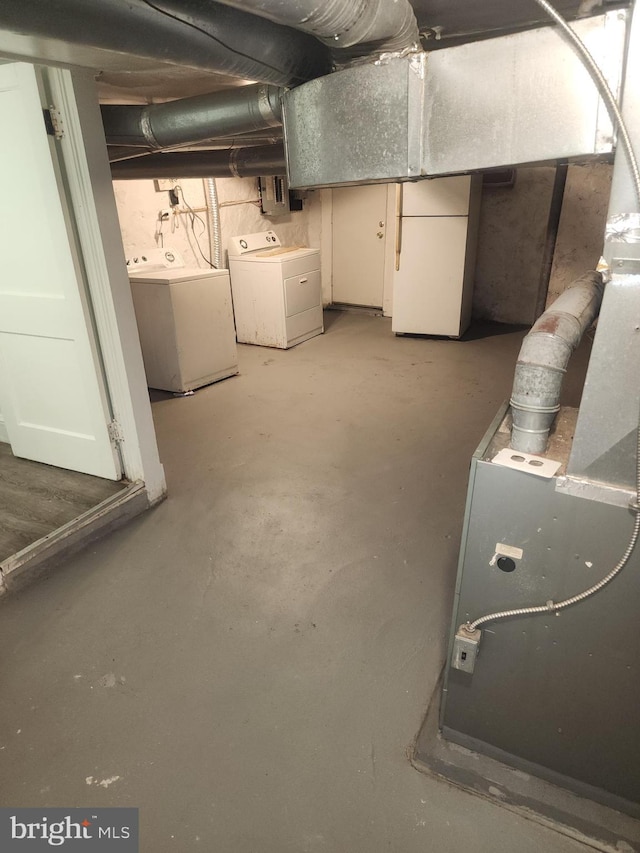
616 117
554 606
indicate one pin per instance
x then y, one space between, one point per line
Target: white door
52 394
359 230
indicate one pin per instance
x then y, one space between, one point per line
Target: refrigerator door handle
398 224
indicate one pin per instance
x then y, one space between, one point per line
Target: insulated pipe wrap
246 109
543 359
186 33
234 163
383 25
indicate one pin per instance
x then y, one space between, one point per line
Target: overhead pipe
117 153
362 26
245 109
229 163
272 136
543 359
208 36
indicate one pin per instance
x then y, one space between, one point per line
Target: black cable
216 39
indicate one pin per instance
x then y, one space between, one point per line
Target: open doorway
62 467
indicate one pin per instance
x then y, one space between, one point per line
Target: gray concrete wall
582 223
513 224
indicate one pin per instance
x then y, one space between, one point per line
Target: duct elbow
543 359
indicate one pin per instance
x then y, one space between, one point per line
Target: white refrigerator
436 233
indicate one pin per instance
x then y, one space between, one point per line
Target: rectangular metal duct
360 124
522 98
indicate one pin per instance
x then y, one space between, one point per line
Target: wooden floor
36 499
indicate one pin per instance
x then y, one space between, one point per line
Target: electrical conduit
213 218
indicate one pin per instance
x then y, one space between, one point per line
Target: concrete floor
248 662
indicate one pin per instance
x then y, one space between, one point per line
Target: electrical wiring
617 119
192 216
217 40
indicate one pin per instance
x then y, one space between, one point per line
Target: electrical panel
274 195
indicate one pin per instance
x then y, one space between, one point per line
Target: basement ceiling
123 78
441 23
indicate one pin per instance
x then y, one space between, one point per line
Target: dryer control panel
253 242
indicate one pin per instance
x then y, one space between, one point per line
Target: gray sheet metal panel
605 441
522 98
604 446
623 197
480 452
358 125
560 691
516 99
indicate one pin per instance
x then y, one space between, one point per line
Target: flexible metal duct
213 222
371 25
189 33
543 359
242 110
233 163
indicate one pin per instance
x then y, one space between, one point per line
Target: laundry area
319 428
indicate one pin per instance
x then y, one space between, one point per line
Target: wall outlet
466 644
164 214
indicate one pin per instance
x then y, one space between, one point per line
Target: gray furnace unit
543 671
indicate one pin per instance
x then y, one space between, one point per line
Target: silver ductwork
543 359
229 163
155 126
517 99
362 26
189 33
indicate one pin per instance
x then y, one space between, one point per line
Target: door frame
87 177
82 154
326 249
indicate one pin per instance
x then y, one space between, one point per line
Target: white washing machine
277 293
185 321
